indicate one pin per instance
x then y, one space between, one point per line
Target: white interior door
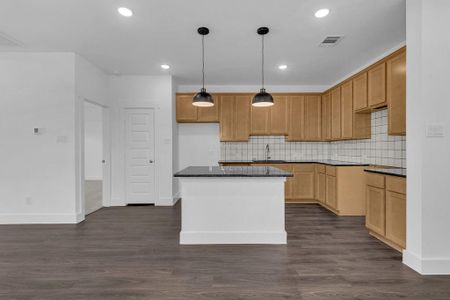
139 152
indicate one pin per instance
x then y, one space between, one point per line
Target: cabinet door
360 92
375 209
227 118
336 113
303 183
279 116
260 117
242 117
186 112
312 118
377 85
347 110
296 119
321 184
396 94
326 117
209 114
396 218
331 192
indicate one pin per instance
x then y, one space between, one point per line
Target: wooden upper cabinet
347 110
227 112
234 118
242 117
209 114
377 85
296 130
326 116
313 118
396 94
278 124
260 118
336 114
360 92
186 112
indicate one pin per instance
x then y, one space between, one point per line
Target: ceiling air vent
330 41
7 41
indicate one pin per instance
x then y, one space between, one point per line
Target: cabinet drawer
375 180
320 168
304 168
331 170
396 184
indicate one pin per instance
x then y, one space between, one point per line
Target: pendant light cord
203 61
262 62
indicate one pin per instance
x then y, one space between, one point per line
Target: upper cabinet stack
341 113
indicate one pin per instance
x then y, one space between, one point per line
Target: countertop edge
384 172
343 164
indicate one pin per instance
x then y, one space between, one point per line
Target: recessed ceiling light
126 12
282 67
321 13
165 67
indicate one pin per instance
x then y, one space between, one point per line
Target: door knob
150 161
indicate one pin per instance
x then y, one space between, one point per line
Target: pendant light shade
203 98
262 99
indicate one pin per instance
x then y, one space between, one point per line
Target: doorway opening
93 157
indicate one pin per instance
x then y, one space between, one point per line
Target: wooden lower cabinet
386 209
396 218
375 205
303 181
321 187
331 195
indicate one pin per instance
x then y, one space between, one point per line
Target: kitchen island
232 205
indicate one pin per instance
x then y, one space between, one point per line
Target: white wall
138 92
93 141
37 173
428 159
199 145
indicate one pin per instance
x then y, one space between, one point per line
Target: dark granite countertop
330 162
401 172
243 171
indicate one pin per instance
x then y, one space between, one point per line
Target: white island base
232 210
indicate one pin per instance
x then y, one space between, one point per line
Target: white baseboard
232 237
426 266
168 201
40 218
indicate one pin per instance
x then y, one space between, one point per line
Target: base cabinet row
386 209
339 189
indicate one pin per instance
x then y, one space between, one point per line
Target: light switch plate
435 130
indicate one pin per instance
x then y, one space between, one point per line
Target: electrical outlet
435 130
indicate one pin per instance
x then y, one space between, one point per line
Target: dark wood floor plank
133 253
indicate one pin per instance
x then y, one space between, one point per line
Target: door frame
106 182
155 158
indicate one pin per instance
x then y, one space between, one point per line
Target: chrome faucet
267 152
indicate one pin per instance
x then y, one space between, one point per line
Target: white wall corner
427 266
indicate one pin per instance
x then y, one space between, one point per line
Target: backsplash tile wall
381 149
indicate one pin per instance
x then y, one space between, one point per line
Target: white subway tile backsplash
381 149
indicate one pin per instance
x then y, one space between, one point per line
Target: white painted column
428 156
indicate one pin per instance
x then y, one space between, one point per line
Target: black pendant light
262 99
203 98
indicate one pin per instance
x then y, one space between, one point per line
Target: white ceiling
164 31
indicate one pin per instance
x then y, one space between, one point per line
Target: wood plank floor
133 253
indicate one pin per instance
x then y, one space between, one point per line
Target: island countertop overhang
232 171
